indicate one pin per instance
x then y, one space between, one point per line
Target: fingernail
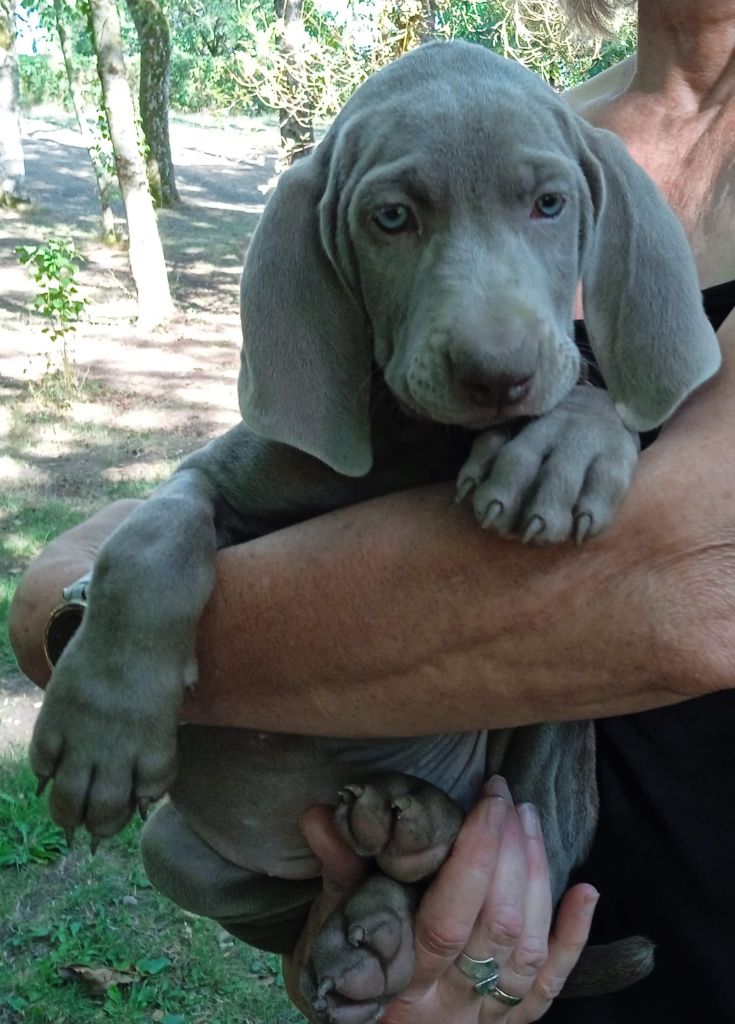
529 820
590 902
497 786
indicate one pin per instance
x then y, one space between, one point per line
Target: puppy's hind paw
363 956
406 824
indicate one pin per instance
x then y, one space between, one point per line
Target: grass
151 961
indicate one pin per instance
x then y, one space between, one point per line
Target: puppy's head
442 229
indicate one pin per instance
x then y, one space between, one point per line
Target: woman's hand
491 898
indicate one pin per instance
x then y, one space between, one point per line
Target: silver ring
502 997
484 973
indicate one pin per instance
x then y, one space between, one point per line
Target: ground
148 398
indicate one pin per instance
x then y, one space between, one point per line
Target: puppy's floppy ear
305 364
642 303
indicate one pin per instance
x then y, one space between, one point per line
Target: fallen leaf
96 979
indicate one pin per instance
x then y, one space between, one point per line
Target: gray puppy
407 307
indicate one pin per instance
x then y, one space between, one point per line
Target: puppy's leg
266 912
107 731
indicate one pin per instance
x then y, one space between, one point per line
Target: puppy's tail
601 970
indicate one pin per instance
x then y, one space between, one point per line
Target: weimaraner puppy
407 305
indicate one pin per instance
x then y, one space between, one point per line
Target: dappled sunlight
148 398
11 471
147 472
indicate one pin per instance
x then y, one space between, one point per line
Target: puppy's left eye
548 206
393 219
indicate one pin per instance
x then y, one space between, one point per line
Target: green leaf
153 965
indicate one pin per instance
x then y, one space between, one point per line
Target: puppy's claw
534 526
348 794
494 510
463 490
69 836
582 527
94 843
43 781
356 935
401 803
326 985
190 690
143 804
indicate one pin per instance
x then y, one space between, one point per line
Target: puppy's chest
409 452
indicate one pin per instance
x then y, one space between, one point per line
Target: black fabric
664 854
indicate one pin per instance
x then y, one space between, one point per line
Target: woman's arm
401 616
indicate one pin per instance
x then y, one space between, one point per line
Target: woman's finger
501 921
568 939
342 868
531 950
450 907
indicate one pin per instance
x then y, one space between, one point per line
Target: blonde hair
594 17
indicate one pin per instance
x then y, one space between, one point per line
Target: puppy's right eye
393 219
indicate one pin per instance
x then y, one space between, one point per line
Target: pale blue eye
392 218
549 205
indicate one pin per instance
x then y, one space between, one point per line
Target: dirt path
148 399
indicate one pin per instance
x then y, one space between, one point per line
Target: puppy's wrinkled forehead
452 147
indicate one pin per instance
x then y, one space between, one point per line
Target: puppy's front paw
364 955
561 476
406 824
106 736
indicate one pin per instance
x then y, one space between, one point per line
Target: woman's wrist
41 590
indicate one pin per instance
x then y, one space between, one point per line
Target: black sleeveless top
664 855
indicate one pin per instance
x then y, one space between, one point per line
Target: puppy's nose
499 392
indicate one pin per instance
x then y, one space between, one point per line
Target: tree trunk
12 165
155 63
105 180
297 128
146 253
429 18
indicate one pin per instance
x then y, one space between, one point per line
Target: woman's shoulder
601 89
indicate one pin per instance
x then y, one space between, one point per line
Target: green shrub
207 83
53 267
42 80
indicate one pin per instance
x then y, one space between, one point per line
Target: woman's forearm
401 616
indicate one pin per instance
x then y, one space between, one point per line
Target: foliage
206 83
336 52
42 80
53 267
536 33
226 52
27 834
